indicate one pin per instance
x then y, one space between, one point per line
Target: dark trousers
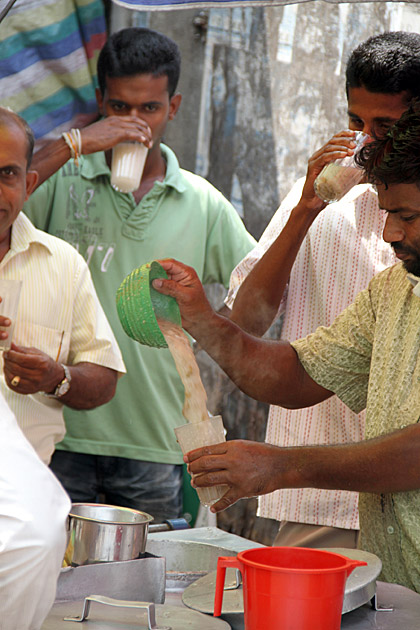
145 486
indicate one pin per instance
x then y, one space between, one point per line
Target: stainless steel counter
192 554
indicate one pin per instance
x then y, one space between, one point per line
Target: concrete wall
262 90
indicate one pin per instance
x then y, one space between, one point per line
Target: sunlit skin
16 184
402 227
146 98
374 113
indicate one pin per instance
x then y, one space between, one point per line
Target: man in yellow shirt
64 351
369 357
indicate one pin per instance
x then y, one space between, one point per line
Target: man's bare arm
269 371
99 136
390 463
91 384
258 299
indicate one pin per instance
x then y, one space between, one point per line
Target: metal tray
123 615
360 586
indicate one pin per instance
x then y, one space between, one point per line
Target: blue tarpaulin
166 5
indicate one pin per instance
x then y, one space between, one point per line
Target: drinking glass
196 434
128 159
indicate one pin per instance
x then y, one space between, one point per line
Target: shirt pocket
55 343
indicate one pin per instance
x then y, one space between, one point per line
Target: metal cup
105 533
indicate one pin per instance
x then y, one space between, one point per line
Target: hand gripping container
139 305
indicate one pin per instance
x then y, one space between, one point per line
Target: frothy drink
202 429
338 177
127 166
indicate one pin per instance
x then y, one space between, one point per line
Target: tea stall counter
191 554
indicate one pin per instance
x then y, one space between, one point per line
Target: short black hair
395 158
138 50
8 116
388 63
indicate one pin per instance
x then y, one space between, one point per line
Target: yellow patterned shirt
370 358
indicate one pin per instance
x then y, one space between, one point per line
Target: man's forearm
390 463
91 385
258 299
49 159
382 465
269 371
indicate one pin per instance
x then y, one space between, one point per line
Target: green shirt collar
94 165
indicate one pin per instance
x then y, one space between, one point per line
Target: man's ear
31 182
174 104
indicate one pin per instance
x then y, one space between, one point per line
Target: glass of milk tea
196 434
338 177
127 166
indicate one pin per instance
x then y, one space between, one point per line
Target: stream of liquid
195 411
195 403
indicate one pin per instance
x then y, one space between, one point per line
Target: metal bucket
105 533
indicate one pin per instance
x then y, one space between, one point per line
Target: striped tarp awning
48 54
166 5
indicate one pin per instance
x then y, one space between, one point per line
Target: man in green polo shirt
127 450
369 357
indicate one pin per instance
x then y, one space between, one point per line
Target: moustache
402 250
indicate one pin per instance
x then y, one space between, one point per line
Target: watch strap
63 386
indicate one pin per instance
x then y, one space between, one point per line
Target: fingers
340 145
106 133
178 271
226 501
214 449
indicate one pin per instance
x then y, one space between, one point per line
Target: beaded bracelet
73 139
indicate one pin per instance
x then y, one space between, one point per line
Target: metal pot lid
125 615
360 586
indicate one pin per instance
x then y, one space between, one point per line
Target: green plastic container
139 305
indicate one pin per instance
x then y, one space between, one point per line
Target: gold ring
15 381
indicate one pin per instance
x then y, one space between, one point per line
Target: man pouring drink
368 357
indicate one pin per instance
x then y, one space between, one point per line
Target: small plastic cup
128 159
10 294
196 434
338 177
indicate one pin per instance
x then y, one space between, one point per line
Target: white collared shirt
60 314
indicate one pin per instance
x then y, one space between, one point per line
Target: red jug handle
223 562
352 564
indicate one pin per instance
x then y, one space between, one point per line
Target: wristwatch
63 386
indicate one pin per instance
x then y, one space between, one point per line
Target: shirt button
390 529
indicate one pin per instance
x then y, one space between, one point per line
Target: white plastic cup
10 294
128 159
338 177
196 434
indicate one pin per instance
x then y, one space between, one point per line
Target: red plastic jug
288 588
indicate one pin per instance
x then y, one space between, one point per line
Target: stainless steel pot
105 533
